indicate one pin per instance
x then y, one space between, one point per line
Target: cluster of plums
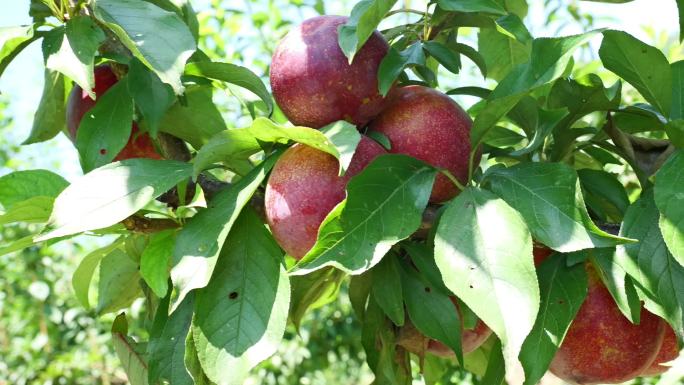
314 85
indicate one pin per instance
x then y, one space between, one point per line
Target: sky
22 81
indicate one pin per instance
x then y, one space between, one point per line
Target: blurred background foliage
46 337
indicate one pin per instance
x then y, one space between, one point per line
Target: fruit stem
452 179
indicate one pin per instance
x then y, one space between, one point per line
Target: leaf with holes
492 272
240 316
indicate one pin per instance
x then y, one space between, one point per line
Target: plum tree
602 346
302 189
430 126
313 82
139 145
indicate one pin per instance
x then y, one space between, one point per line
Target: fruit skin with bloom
428 125
604 347
668 351
313 82
304 187
79 103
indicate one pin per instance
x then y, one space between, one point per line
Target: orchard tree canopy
540 230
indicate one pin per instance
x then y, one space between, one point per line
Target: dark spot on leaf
233 295
103 151
560 301
427 289
471 286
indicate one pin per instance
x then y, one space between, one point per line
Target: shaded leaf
393 64
617 282
487 6
49 120
133 362
83 275
387 289
118 285
669 197
155 260
152 97
312 291
166 349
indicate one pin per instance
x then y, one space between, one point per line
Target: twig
139 224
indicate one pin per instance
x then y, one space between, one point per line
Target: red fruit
312 80
428 125
668 352
78 103
304 187
602 346
540 253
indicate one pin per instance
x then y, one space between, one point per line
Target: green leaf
669 197
133 362
156 37
83 274
48 120
492 272
34 209
675 132
500 52
200 241
240 316
118 285
338 139
641 65
152 97
618 283
19 186
677 90
474 56
193 364
495 373
154 261
606 191
233 74
359 292
548 61
71 50
654 271
513 26
467 6
639 118
444 55
431 311
393 64
384 205
547 121
549 197
680 8
166 349
312 291
196 120
387 289
563 290
105 128
232 147
13 40
364 19
112 193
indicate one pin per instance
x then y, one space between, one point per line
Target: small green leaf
677 90
118 285
563 290
233 74
618 283
154 261
675 132
495 373
500 52
199 242
474 56
152 97
384 205
35 209
105 128
606 191
655 273
364 19
680 8
48 120
547 121
312 291
166 349
233 146
83 274
386 289
240 316
669 197
639 118
111 193
156 37
133 362
71 50
641 65
468 6
444 55
394 63
19 186
492 272
196 120
513 26
13 40
431 311
549 197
